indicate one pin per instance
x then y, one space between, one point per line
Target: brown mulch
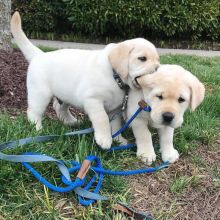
199 200
13 68
150 193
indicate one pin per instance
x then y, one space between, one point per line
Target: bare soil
13 68
199 200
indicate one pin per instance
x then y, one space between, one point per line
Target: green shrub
42 16
182 19
161 19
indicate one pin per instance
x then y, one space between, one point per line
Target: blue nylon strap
126 125
131 172
84 193
38 157
85 196
40 139
69 184
121 147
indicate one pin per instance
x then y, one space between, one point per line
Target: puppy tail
27 48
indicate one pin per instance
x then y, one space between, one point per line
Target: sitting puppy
169 92
84 79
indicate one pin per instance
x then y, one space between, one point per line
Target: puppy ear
119 58
197 93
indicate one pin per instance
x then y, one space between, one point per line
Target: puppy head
133 58
170 91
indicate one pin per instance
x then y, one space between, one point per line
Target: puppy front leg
166 144
100 122
145 149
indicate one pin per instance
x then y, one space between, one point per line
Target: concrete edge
161 51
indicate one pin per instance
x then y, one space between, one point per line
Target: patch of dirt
13 68
198 200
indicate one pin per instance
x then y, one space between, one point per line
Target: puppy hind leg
63 112
116 125
37 104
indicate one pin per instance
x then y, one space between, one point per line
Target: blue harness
81 186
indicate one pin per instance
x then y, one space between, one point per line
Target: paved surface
162 51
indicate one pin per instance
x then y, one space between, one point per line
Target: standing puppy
84 79
169 92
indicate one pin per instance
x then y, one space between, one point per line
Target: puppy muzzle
135 81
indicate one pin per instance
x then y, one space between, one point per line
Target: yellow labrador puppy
169 91
83 78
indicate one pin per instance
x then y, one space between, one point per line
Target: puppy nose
168 116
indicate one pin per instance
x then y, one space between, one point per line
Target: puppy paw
63 113
104 141
147 157
121 140
38 126
171 155
56 104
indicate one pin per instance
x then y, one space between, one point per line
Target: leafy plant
163 19
183 19
42 16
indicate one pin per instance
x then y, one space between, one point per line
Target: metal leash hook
131 212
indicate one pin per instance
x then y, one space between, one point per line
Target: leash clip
144 106
130 212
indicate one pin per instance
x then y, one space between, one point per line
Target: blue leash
80 185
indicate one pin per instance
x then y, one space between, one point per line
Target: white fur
82 78
172 82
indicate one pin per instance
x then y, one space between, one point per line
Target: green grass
201 125
22 197
45 49
181 183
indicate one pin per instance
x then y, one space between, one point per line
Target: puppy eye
143 59
180 100
160 97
